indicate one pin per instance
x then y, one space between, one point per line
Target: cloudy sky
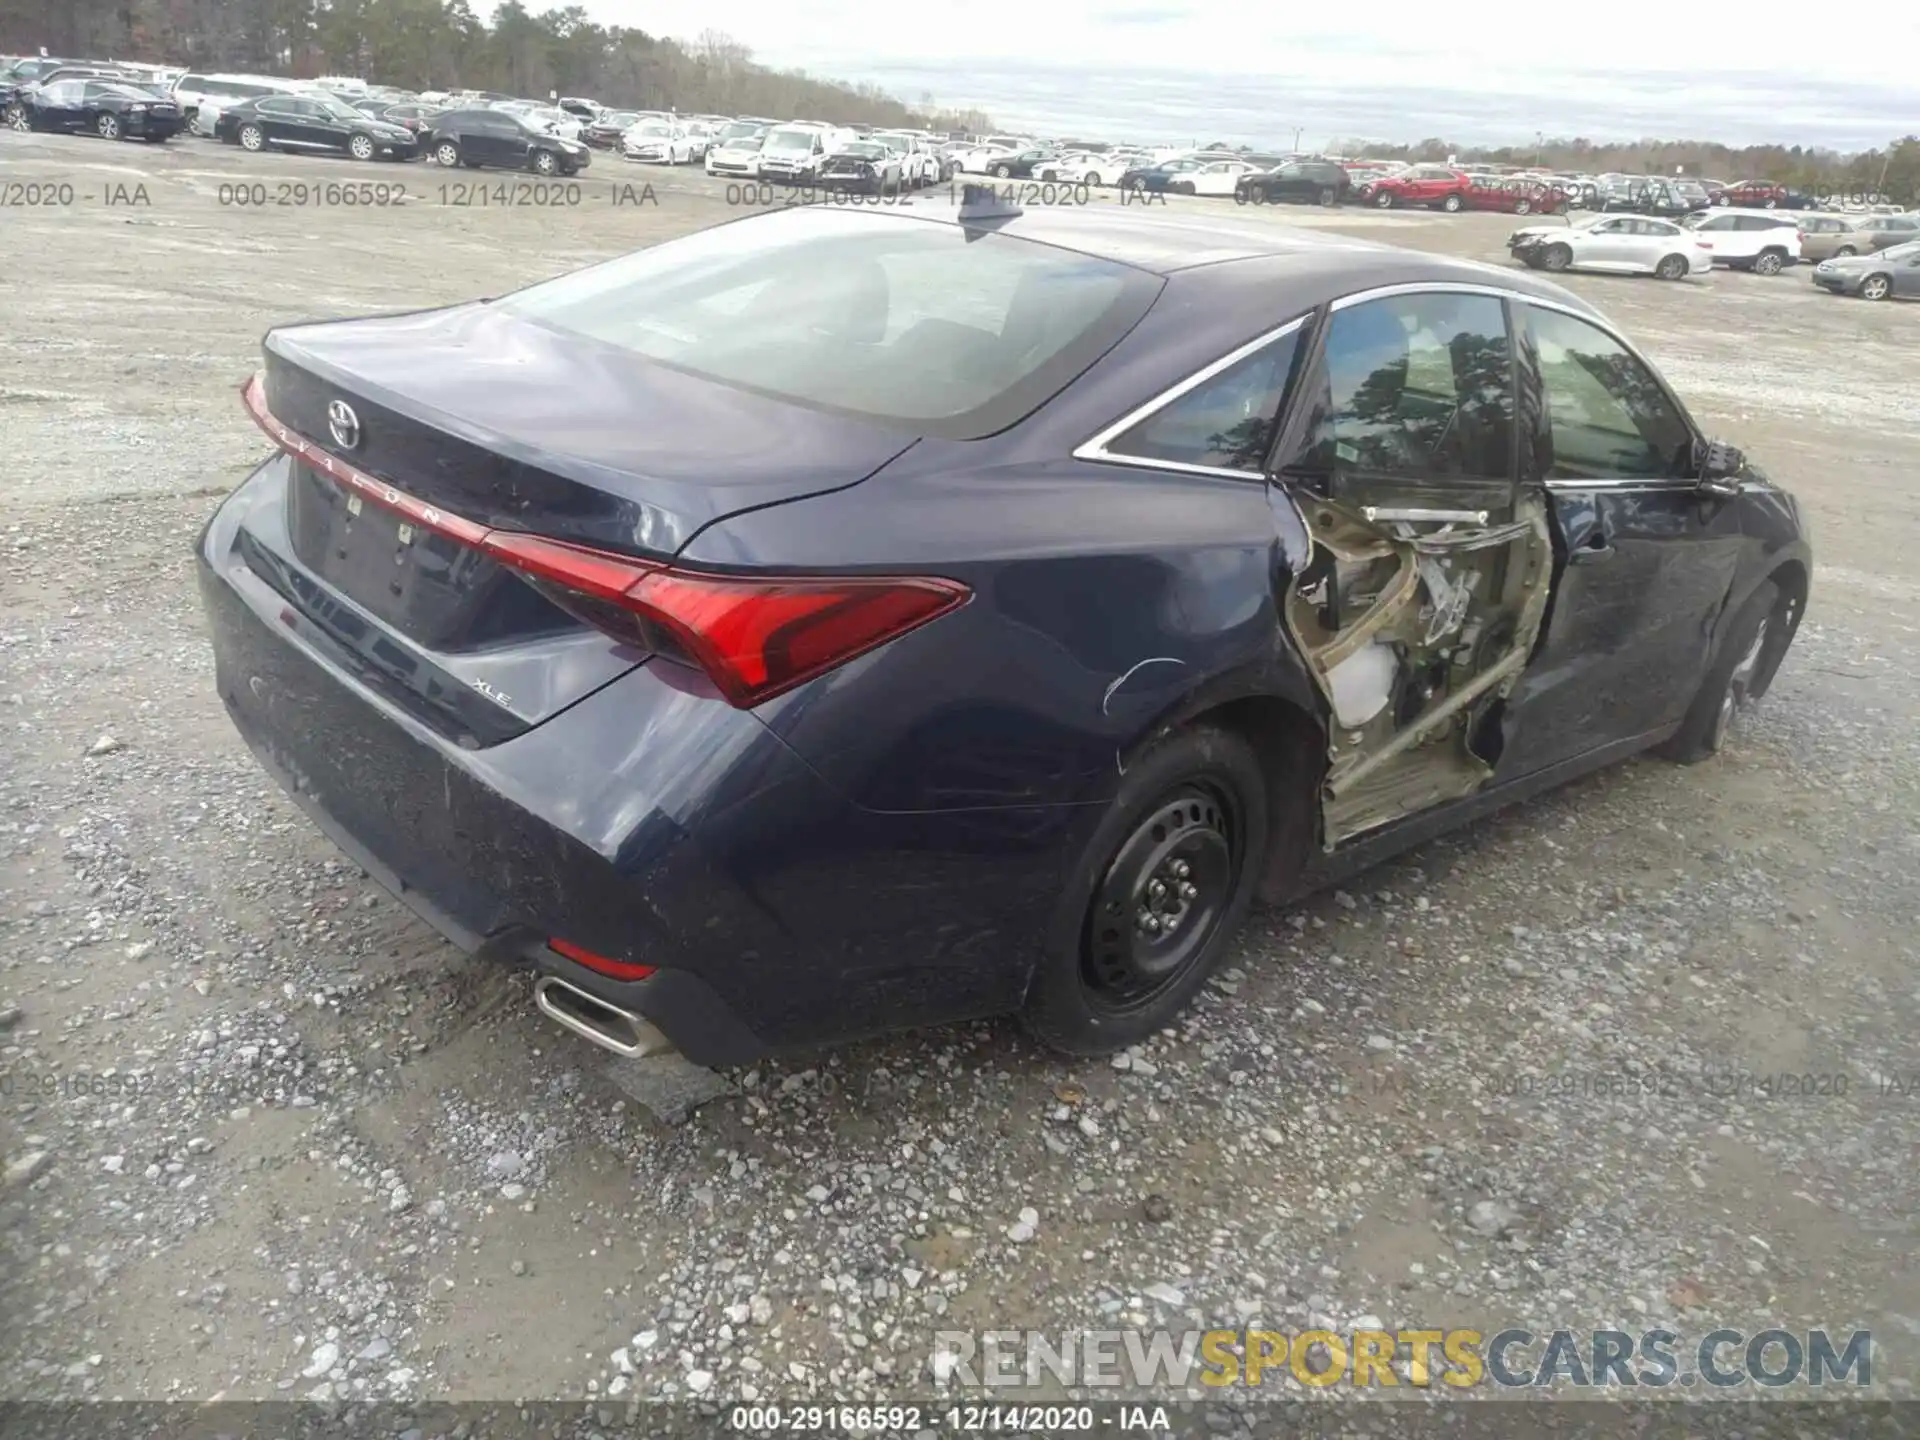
1482 71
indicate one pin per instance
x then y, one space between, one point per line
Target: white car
554 121
1622 244
1763 241
739 156
795 152
918 164
700 133
1211 177
658 142
1080 167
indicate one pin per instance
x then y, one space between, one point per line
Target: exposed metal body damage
1416 623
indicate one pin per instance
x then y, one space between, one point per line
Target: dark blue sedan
844 619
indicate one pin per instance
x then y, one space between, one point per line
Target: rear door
62 105
1645 558
1430 569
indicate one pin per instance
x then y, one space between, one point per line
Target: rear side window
1224 423
950 332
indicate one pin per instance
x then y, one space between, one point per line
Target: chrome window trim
1095 447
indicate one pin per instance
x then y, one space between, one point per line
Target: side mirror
1720 466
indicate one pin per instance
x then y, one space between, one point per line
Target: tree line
1893 169
443 45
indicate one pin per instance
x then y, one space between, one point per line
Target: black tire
1453 204
361 147
1383 199
543 162
1329 196
1671 267
1004 172
1844 251
1191 815
1749 654
446 153
109 127
1769 262
1523 206
1556 258
1876 287
16 115
252 138
1185 187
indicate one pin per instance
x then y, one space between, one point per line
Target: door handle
1595 548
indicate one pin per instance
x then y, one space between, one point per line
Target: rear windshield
883 317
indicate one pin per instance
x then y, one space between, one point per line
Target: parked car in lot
1880 231
1297 182
1437 187
1762 241
109 109
1622 244
794 153
1019 164
1881 275
1087 167
1516 195
739 156
660 142
416 116
603 132
1825 237
313 123
863 167
955 581
481 138
202 97
1656 196
919 165
1761 195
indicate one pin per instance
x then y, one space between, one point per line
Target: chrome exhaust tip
608 1026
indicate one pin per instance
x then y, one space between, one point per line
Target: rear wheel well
1292 747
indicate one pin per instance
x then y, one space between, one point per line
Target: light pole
1539 145
1296 137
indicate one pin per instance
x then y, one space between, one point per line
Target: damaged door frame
1347 811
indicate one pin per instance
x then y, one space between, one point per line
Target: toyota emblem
343 425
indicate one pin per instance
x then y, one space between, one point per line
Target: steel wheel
109 127
1162 898
1876 287
1451 204
446 153
544 162
1739 684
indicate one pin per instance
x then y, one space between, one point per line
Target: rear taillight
755 636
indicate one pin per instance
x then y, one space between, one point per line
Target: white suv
1763 241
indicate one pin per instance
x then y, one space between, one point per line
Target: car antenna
982 206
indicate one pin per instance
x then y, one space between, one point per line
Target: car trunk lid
411 437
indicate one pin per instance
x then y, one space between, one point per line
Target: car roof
1321 261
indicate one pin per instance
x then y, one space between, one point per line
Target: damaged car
840 620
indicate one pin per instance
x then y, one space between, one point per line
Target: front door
1645 558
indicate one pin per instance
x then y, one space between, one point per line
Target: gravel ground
265 1136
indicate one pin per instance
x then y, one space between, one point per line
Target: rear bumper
649 824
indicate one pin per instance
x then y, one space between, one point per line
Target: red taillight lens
755 636
612 969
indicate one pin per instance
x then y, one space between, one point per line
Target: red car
1759 195
1438 187
1517 195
